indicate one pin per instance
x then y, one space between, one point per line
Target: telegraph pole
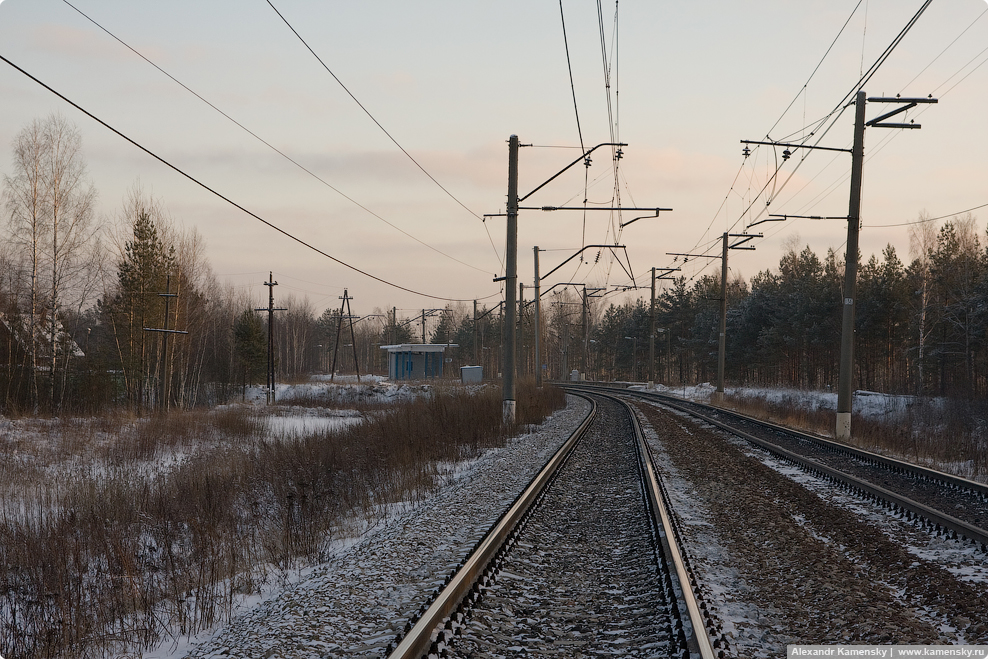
538 322
163 379
510 276
845 386
270 283
476 336
353 339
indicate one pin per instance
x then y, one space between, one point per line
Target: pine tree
141 274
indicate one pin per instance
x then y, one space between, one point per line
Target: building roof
419 347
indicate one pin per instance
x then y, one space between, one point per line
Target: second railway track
783 556
946 503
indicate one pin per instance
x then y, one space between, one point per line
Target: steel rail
894 464
657 497
937 518
418 640
932 515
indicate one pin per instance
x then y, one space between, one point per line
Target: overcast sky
450 81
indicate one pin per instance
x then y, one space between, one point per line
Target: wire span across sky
449 84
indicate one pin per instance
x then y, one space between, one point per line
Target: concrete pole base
651 385
843 432
717 398
509 412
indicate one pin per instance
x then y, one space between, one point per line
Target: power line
227 199
893 135
265 142
383 129
949 46
572 86
927 219
842 106
802 89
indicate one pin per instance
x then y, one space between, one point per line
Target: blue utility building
416 361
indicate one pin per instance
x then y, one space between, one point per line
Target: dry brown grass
108 547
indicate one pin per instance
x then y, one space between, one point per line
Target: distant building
416 361
471 374
15 341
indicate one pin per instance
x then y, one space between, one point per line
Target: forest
85 301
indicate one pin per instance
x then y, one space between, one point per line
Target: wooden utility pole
353 339
270 384
845 385
164 381
538 322
510 276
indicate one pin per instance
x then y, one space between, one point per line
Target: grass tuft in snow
117 532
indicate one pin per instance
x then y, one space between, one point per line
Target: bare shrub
125 550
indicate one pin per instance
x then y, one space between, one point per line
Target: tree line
125 311
84 300
920 328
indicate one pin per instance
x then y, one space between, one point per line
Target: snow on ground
341 390
353 604
866 403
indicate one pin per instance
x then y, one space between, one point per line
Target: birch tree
51 205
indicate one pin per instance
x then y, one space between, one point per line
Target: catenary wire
927 219
230 201
384 130
265 142
949 46
572 85
841 107
802 89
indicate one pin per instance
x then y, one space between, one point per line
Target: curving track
590 570
781 555
943 502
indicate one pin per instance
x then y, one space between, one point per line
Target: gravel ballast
355 603
783 558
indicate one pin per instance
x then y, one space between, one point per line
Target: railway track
941 502
586 563
785 556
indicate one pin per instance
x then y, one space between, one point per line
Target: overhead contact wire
225 198
265 142
383 129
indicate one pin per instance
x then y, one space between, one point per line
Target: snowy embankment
939 433
356 601
870 404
